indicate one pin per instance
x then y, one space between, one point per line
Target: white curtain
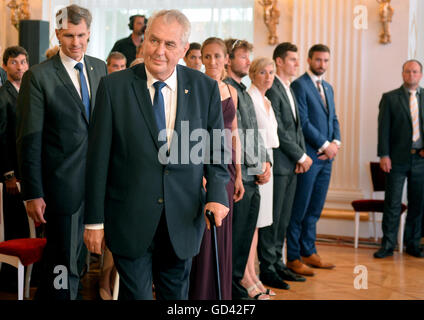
221 18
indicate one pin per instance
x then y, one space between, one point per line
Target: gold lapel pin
91 68
185 91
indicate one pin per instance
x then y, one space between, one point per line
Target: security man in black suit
401 152
128 46
55 105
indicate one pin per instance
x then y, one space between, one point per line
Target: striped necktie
413 106
321 93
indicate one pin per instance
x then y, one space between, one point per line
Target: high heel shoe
259 296
267 291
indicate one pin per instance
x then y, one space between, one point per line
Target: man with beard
128 46
255 166
322 138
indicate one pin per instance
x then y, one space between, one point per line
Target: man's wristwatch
9 176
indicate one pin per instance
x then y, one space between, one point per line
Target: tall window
221 18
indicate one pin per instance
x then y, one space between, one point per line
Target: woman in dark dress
202 284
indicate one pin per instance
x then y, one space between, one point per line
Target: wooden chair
20 253
371 206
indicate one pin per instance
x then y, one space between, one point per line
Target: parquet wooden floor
400 277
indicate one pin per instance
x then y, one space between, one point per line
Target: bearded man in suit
321 130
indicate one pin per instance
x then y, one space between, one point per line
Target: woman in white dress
262 73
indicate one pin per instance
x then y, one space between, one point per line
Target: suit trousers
414 172
271 238
59 279
15 217
311 192
245 217
159 265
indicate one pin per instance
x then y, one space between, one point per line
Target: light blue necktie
84 89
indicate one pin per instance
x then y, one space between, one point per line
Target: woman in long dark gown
202 278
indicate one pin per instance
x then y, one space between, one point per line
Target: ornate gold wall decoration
271 17
18 11
386 14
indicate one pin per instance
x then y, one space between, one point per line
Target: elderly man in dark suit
290 158
54 110
401 152
322 138
144 179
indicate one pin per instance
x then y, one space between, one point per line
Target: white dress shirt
314 79
69 65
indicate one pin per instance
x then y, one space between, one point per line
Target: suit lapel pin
91 68
185 91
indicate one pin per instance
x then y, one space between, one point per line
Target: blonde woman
262 73
202 286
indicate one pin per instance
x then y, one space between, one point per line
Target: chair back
378 177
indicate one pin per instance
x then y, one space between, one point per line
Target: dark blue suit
149 208
319 124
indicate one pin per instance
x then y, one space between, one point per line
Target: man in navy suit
151 209
322 137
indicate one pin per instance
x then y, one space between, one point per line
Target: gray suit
291 149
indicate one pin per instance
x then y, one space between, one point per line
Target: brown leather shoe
315 261
298 267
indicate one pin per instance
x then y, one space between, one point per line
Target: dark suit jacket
395 125
52 131
292 142
3 76
127 187
8 96
127 47
318 123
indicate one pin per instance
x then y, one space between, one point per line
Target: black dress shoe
287 274
382 253
273 280
415 253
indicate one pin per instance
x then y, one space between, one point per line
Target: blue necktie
84 89
159 105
